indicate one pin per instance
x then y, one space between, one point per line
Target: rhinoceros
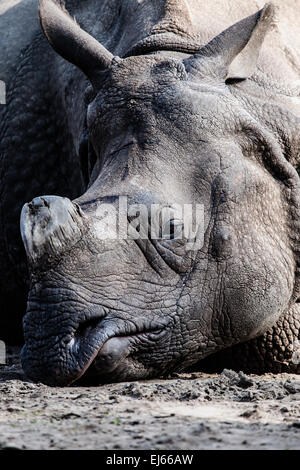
166 105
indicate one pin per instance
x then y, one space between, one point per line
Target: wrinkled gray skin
172 120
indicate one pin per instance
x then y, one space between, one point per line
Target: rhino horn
233 54
71 42
50 225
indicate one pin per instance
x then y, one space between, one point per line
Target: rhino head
167 129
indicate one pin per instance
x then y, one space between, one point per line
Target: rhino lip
163 42
93 329
100 337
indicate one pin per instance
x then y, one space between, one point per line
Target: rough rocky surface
189 411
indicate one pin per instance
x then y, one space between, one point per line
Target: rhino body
163 105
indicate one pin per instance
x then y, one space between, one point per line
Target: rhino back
19 24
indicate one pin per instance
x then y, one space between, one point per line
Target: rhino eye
233 80
172 230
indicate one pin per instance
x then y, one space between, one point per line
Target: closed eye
172 230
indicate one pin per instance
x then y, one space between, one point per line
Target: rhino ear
71 42
233 54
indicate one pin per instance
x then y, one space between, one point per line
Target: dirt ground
189 411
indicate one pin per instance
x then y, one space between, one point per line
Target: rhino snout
49 224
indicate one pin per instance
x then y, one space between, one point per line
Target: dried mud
188 411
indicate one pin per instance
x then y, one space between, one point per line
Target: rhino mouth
97 348
108 363
163 42
116 344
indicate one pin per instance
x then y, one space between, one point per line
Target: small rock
296 424
292 386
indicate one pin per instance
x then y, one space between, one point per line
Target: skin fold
160 106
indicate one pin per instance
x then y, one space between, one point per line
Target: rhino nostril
86 327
